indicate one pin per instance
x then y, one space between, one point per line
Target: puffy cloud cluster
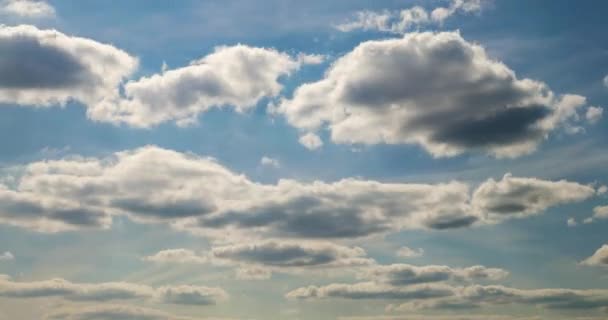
599 213
435 90
239 76
7 256
257 260
407 252
404 20
27 8
432 287
404 274
111 291
201 196
47 67
598 259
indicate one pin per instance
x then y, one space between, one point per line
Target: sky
283 159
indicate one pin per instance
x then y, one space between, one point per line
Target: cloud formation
400 22
7 256
46 67
435 90
598 259
33 9
113 312
201 196
406 252
404 274
111 291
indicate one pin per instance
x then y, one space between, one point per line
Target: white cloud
605 81
201 196
46 68
184 256
270 162
594 114
400 22
598 259
311 141
572 222
406 252
7 256
435 90
33 9
239 76
405 275
599 213
111 291
112 312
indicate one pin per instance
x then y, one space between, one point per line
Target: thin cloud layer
435 90
400 22
112 291
113 312
199 195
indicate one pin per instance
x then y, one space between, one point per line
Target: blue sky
240 159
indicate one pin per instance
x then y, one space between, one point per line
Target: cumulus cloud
238 76
519 197
371 290
404 274
406 252
201 196
435 90
311 141
270 162
7 256
183 256
598 259
113 312
605 81
33 9
46 67
401 21
599 213
594 114
111 291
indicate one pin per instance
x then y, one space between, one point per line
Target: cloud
400 22
33 9
571 222
111 291
183 256
605 81
598 259
594 114
238 76
270 162
406 252
599 213
370 290
7 256
311 141
290 254
199 195
514 197
113 312
46 67
404 274
435 90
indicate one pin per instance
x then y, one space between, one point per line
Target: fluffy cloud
201 196
598 259
371 290
113 312
47 67
270 162
288 254
7 256
238 76
520 197
177 256
594 114
406 252
432 89
101 292
404 274
27 8
599 213
311 141
401 21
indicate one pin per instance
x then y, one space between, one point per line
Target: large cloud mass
432 89
47 67
199 195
